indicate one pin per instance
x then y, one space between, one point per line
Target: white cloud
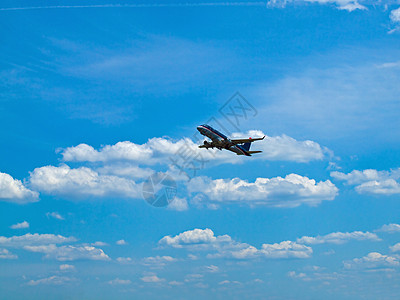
124 260
55 215
212 269
228 282
293 274
285 148
178 204
291 191
152 278
99 244
286 249
12 190
159 150
121 242
225 246
373 260
120 151
384 187
69 252
5 254
125 169
81 182
338 238
195 237
389 228
349 5
67 267
358 177
21 225
278 3
371 181
395 15
395 248
158 261
118 281
53 280
34 240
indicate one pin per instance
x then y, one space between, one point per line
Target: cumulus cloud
124 169
285 148
81 182
373 260
371 181
21 225
69 252
225 246
286 249
338 238
384 187
5 254
121 242
389 228
47 244
160 150
53 280
34 240
12 190
291 191
195 237
158 261
178 204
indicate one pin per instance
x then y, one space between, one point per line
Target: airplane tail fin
246 146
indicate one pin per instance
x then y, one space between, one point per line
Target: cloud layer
81 182
338 238
371 181
48 245
290 191
12 190
159 150
225 246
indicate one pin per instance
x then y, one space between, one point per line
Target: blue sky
98 96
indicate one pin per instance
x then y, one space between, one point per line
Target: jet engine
207 145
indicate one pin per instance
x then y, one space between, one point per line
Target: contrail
255 3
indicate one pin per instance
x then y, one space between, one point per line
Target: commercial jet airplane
221 141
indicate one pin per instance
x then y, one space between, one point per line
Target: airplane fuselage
219 140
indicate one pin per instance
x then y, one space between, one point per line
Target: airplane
221 141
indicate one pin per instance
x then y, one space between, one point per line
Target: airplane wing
249 140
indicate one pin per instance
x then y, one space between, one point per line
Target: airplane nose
199 128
